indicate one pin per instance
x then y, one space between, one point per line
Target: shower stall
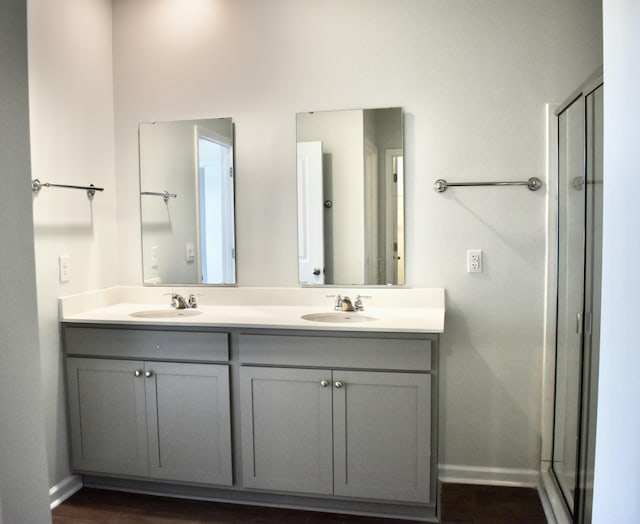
577 321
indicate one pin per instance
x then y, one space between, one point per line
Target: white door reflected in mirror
215 200
310 213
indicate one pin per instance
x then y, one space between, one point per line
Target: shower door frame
580 512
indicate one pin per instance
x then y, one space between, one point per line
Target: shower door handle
588 323
579 323
584 323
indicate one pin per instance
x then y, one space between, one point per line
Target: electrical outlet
474 261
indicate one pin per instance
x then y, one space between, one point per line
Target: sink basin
338 316
166 313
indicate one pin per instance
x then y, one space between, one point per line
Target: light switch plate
154 257
191 252
64 268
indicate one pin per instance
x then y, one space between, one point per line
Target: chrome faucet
342 303
346 305
178 301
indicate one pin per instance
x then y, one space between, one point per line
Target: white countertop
423 311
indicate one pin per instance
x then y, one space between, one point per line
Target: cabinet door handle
148 374
324 383
137 372
338 384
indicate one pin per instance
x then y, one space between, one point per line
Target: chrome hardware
579 323
338 384
137 372
165 195
338 303
588 323
346 305
358 305
36 186
441 185
328 204
178 301
148 374
343 303
316 271
192 302
584 323
324 383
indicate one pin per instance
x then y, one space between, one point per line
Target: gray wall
473 79
71 128
23 471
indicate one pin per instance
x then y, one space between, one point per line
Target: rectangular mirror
187 202
350 175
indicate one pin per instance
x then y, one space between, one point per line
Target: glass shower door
571 223
580 178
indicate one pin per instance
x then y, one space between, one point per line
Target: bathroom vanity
253 403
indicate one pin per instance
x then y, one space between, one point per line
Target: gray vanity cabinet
146 418
381 435
352 433
107 413
287 429
188 416
346 419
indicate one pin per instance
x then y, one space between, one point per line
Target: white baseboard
64 489
490 476
550 498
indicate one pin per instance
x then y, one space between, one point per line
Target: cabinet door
107 416
382 435
286 429
188 413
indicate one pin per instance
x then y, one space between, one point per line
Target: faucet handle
358 305
192 301
338 302
174 299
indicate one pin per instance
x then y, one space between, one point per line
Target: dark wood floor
469 504
461 504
